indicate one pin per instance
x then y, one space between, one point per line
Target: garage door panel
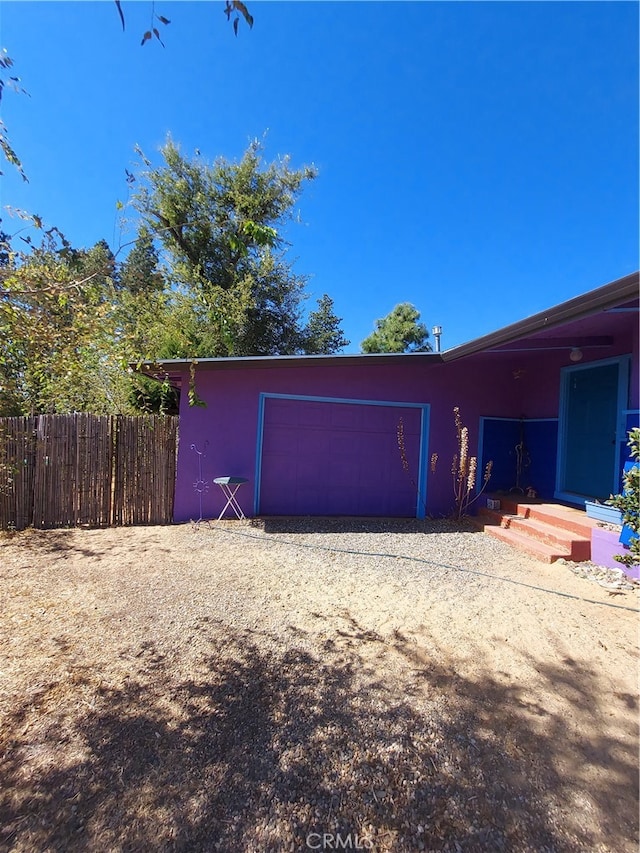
349 418
310 469
343 443
280 412
332 458
374 478
280 440
313 415
343 472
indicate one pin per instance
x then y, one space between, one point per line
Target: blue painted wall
500 441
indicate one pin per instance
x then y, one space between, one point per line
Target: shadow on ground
259 750
55 542
303 524
69 541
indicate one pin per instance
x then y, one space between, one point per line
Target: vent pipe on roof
437 332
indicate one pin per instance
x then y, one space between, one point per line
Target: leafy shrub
628 502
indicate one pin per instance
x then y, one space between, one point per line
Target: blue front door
591 404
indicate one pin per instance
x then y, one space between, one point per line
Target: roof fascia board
271 361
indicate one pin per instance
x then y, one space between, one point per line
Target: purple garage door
328 458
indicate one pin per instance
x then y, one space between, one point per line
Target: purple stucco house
548 399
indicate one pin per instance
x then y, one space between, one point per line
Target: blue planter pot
602 512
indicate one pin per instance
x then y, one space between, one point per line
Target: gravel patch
612 579
292 684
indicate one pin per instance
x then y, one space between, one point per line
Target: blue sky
479 160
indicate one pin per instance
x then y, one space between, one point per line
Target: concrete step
548 531
573 520
541 551
567 543
565 517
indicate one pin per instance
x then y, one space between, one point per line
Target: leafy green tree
69 330
97 265
219 224
271 322
142 318
69 326
323 335
399 331
141 301
52 323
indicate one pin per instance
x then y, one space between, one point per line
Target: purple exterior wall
485 385
226 431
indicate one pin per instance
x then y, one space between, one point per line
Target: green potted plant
628 503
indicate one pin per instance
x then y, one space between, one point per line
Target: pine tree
140 273
323 335
399 331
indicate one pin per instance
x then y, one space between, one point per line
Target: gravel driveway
311 685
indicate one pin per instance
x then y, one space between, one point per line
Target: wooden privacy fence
70 470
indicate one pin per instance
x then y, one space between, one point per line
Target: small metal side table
230 486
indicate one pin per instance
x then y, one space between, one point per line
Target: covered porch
559 439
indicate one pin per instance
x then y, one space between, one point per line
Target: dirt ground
304 686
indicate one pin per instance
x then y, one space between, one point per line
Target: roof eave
156 369
608 296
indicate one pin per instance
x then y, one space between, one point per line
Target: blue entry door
591 402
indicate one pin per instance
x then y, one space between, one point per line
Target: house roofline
608 296
265 361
